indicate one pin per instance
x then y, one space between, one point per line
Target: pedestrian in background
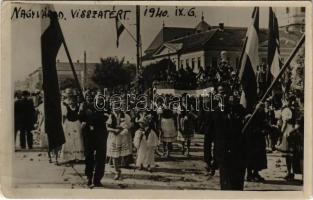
28 119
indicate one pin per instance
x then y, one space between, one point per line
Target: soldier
95 136
226 128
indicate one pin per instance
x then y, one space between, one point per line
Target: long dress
168 127
286 115
73 149
145 142
43 143
118 145
127 137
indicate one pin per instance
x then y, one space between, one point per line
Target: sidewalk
32 170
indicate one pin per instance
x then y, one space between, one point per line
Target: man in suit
95 137
226 125
17 114
28 119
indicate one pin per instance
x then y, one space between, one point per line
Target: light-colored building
291 18
64 72
201 46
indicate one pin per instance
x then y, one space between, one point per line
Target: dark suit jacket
228 140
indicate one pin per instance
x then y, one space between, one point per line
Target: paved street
32 170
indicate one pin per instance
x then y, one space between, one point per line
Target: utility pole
138 38
85 71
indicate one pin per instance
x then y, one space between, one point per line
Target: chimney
221 26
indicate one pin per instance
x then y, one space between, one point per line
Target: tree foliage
157 71
112 72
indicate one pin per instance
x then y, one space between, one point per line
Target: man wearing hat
229 152
28 119
95 137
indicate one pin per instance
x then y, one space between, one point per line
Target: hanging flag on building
119 30
273 56
51 40
249 63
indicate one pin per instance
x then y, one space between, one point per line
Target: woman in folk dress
291 141
145 141
187 129
117 142
73 149
168 130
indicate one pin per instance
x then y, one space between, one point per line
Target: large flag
249 63
273 56
51 41
119 30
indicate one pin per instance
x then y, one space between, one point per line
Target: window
182 63
287 10
199 62
214 62
187 62
302 9
193 63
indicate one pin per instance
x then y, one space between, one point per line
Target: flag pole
71 63
270 88
138 36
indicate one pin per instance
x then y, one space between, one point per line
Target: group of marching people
114 135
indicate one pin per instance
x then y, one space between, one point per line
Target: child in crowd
145 141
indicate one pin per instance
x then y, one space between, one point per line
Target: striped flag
274 61
119 30
273 58
249 63
51 41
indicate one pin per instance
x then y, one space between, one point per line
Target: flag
119 30
249 63
273 56
51 41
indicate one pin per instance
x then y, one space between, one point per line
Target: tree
111 73
157 71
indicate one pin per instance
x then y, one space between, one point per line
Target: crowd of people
133 137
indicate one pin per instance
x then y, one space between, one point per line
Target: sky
98 36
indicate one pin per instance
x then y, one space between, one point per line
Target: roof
229 37
202 26
232 37
195 41
166 34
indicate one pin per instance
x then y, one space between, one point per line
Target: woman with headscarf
73 149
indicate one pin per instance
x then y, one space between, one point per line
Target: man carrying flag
255 138
119 30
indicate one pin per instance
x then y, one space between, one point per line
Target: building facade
201 46
64 71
